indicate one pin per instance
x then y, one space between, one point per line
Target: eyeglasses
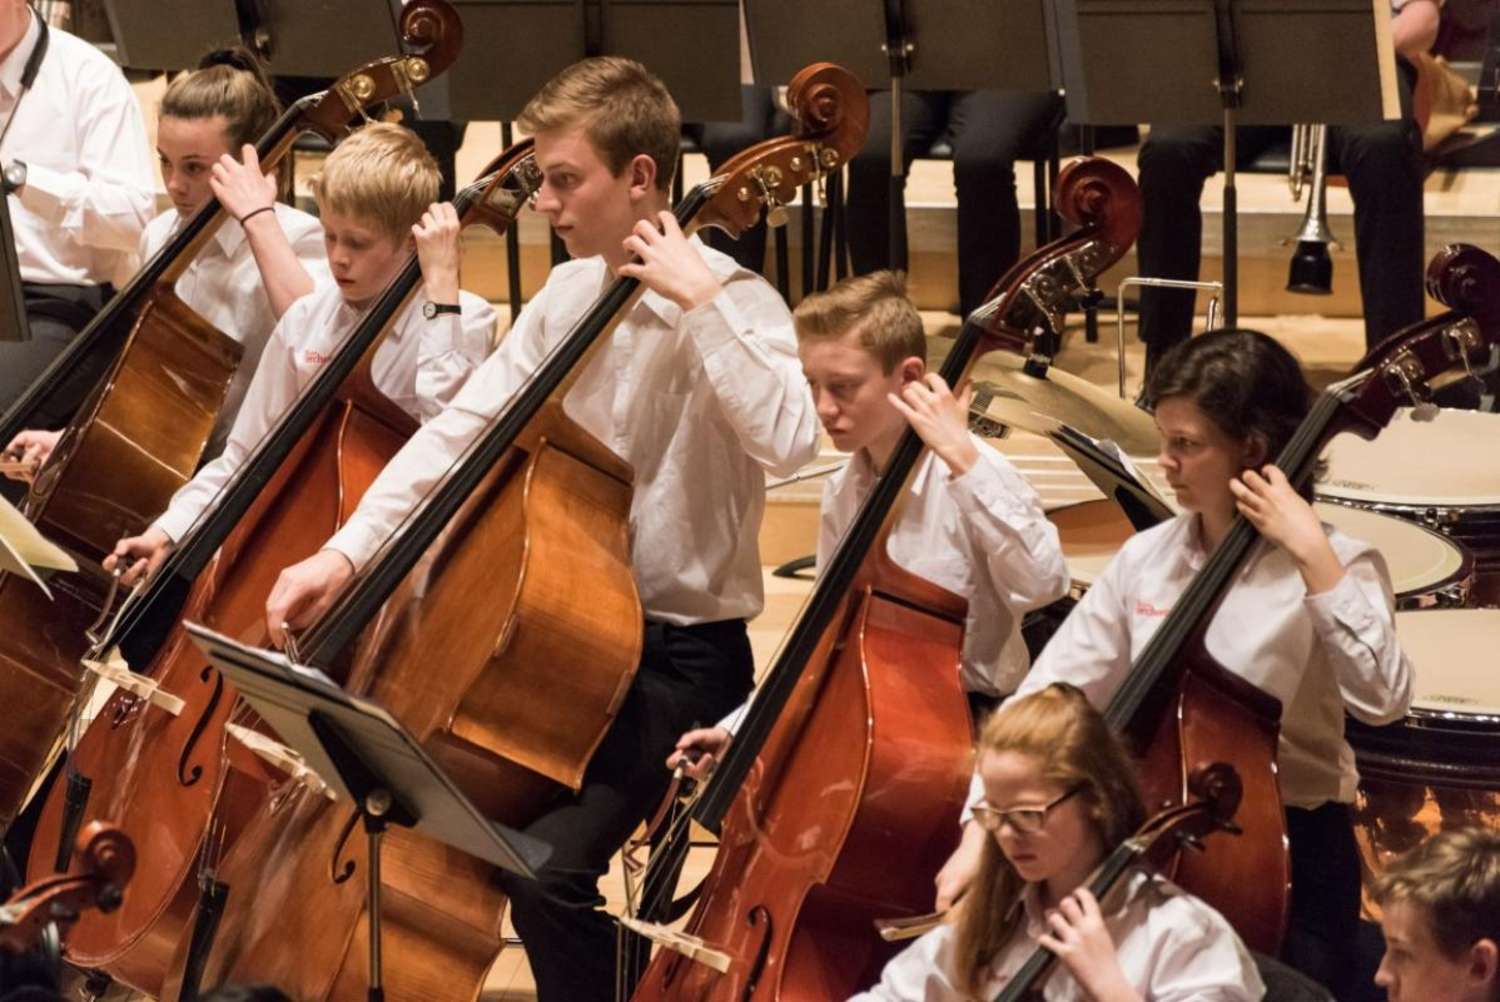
1026 820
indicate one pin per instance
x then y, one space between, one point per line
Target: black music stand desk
366 755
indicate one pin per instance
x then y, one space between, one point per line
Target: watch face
429 310
15 174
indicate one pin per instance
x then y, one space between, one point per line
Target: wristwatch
430 310
14 176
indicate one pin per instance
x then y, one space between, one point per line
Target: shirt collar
1197 555
15 63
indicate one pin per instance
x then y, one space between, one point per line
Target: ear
641 172
1257 450
1484 964
911 369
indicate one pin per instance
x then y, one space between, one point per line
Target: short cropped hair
876 305
624 108
1454 877
382 173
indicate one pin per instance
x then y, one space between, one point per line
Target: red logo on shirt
314 357
1144 608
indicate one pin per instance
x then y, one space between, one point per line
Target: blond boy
376 203
1440 912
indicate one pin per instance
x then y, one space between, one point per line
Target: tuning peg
1192 842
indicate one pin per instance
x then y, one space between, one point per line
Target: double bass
533 506
156 759
141 432
856 750
1182 709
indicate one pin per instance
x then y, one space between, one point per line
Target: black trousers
1324 921
988 130
1384 167
759 119
55 314
689 676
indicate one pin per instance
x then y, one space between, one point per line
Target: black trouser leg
990 130
1383 163
689 676
923 117
1324 919
722 140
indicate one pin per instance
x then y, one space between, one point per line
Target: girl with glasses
1059 796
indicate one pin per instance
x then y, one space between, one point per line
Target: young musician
971 523
375 201
244 279
76 169
698 389
1309 618
1059 796
1440 912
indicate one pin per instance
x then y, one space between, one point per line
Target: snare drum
1440 473
1427 569
1440 767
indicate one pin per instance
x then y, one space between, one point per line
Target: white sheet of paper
23 548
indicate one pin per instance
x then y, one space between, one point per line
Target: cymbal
1013 397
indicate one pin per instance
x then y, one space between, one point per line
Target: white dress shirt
90 185
700 404
420 366
983 536
1171 946
224 286
1319 654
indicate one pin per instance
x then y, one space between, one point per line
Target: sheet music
23 548
1114 473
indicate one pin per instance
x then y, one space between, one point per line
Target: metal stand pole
375 807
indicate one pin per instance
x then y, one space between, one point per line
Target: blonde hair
1074 747
890 328
229 82
1454 877
382 173
624 108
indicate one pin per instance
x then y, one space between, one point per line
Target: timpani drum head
1422 563
1433 463
1452 657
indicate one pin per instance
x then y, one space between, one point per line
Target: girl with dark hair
263 259
1059 796
1309 619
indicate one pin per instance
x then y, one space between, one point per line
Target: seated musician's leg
1174 163
1384 166
990 130
688 676
721 140
923 115
1324 921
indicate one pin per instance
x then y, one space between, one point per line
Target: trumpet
1311 270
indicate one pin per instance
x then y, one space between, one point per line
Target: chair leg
840 231
783 265
809 251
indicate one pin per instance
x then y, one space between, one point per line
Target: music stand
1233 62
925 44
197 26
14 326
366 755
513 47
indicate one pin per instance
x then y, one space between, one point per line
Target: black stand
1266 63
924 44
366 755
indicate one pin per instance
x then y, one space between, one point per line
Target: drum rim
1449 592
1409 510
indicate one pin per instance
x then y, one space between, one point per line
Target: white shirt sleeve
273 390
421 463
749 350
1021 556
1196 955
919 973
1355 623
109 197
451 349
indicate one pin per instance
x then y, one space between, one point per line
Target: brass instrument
1311 271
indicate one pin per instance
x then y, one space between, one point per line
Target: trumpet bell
1311 272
